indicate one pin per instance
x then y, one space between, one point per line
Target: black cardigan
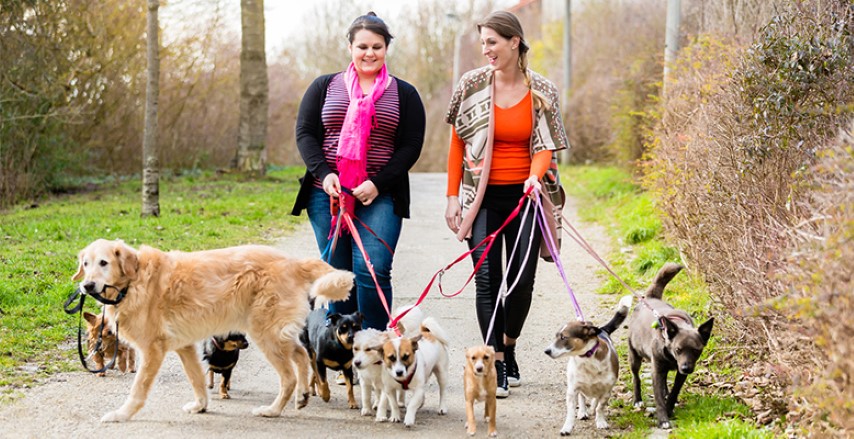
394 177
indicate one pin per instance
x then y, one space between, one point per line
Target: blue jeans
380 217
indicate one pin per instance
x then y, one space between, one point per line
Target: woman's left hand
533 181
366 192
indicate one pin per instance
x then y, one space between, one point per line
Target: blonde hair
508 26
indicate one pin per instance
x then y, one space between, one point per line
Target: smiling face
367 51
501 53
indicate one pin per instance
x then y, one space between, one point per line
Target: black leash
79 309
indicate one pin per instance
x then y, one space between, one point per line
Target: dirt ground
71 404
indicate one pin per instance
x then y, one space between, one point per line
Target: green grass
39 245
609 197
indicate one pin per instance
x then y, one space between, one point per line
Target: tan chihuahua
480 384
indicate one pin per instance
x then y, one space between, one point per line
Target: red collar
408 379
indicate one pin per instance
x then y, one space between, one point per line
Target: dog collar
592 350
408 379
216 345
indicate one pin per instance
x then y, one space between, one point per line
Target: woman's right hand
454 214
331 185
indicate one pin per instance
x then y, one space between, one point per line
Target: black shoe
501 391
513 378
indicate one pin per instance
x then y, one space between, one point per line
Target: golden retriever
176 299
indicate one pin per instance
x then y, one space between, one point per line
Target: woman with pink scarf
359 132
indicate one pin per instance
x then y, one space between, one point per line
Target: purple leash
550 244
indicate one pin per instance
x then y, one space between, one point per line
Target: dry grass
754 193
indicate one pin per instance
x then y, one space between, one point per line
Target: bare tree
254 90
150 160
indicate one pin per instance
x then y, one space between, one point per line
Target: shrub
732 167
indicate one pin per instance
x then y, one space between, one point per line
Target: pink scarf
352 156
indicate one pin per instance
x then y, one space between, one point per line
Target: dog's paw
380 418
567 429
493 434
195 407
394 419
601 424
224 396
471 429
665 425
408 423
443 410
638 406
115 416
266 412
582 415
302 402
366 411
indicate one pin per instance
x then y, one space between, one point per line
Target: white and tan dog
592 367
408 363
174 300
368 357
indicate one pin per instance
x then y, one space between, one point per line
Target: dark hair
370 22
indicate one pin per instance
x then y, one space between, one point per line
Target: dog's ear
128 259
359 317
415 341
590 331
670 327
332 319
80 273
705 330
92 319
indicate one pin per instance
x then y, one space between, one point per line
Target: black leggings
498 202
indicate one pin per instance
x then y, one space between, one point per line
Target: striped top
381 141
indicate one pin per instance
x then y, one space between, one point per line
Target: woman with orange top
506 124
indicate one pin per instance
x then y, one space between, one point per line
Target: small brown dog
126 358
480 385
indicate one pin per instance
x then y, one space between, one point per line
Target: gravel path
70 404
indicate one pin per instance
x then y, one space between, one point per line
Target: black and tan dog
221 352
328 337
671 343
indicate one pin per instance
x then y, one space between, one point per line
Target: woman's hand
454 214
366 192
533 181
331 185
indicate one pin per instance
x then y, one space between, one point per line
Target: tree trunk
252 135
150 160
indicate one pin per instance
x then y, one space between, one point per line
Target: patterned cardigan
471 114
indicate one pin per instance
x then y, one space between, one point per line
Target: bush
731 167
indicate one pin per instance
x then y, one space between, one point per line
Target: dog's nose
357 363
89 287
549 352
479 369
398 373
686 369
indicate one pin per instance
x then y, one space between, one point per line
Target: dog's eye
392 358
103 263
404 357
486 358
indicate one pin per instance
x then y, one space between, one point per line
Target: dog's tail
432 326
665 275
620 316
329 284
